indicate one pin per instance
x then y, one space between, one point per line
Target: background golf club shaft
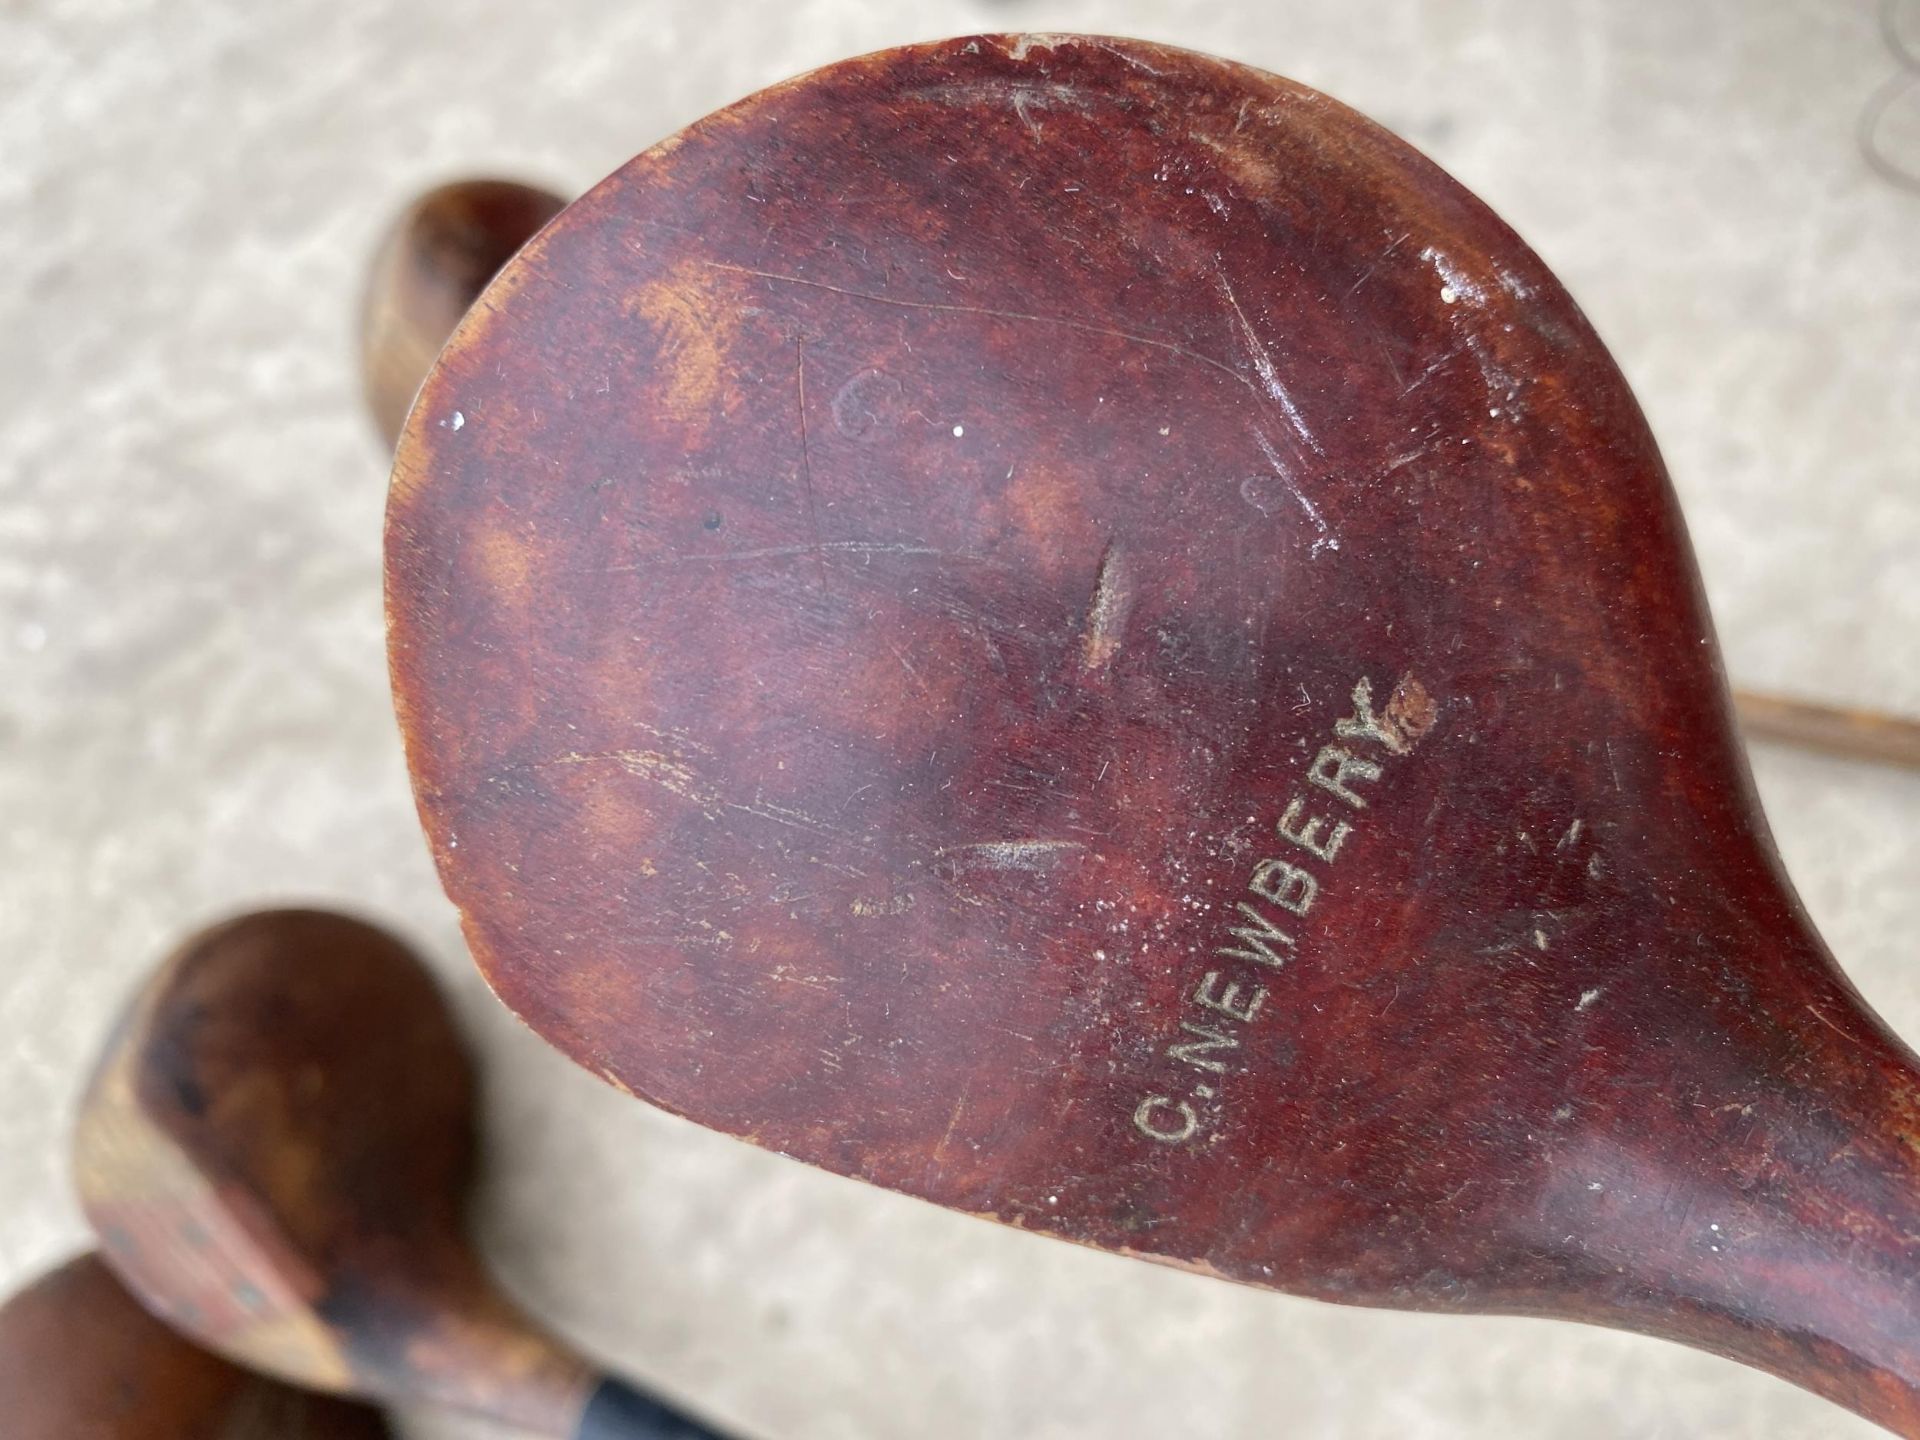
1850 734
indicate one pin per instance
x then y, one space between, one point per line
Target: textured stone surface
193 711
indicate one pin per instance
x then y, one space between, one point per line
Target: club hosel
500 1363
468 1348
1767 1212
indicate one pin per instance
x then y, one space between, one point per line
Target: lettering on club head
1258 936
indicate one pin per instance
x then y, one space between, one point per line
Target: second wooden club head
1075 630
275 1152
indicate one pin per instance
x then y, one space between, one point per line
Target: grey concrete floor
193 701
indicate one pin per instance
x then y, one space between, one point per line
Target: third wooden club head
80 1360
1075 630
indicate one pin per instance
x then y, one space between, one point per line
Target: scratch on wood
1113 596
1327 539
679 779
782 552
907 666
938 1158
1367 274
664 771
797 819
806 468
1019 95
1263 366
1433 369
1821 1017
1406 458
951 309
1136 62
1029 855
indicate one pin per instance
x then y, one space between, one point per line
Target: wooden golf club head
275 1152
80 1360
436 258
1075 630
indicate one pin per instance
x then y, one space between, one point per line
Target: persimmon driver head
1075 630
80 1360
275 1152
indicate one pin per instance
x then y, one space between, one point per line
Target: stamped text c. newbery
1229 997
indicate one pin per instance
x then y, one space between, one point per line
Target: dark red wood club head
80 1360
1075 630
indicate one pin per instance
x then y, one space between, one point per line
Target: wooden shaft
1829 730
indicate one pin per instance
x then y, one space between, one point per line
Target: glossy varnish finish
1075 630
80 1360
